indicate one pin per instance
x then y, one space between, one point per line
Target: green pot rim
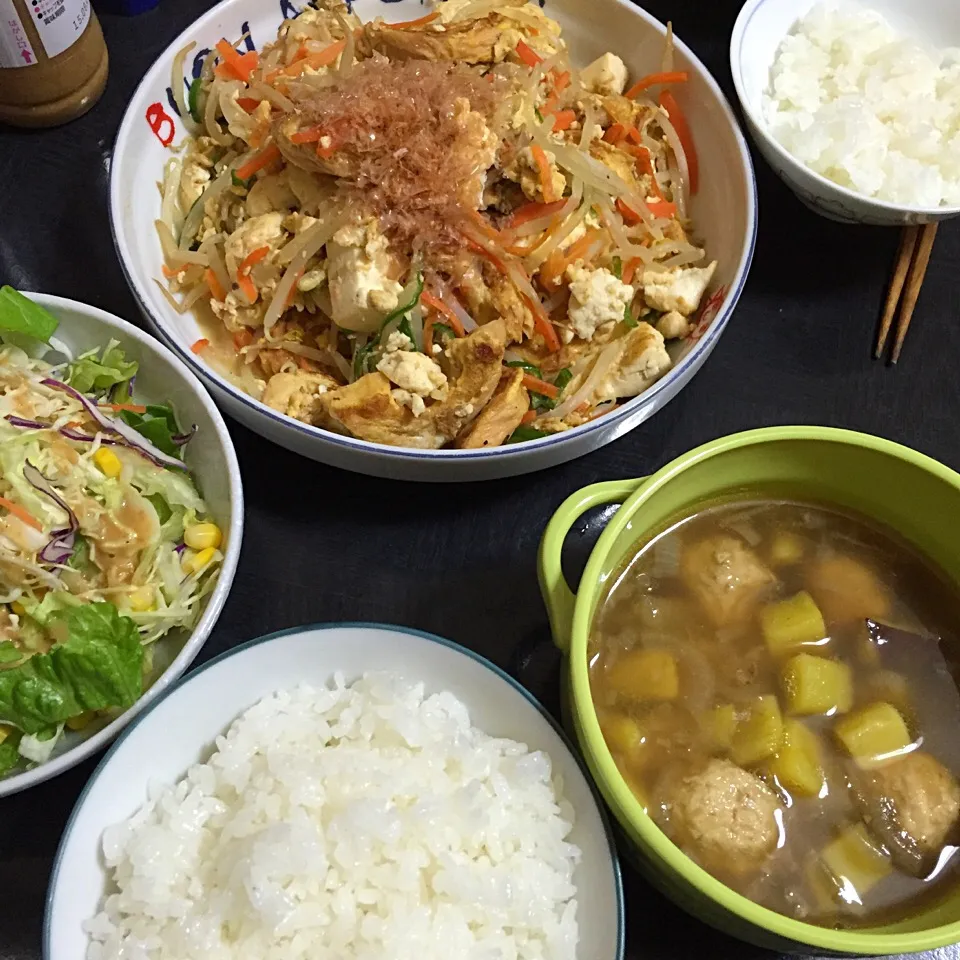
623 800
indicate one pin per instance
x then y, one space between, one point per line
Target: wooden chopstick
913 256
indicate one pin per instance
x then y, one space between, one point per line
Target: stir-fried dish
433 233
105 543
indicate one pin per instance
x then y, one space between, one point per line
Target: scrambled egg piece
358 266
680 289
263 231
310 190
296 394
643 360
269 194
596 297
501 416
196 173
481 143
414 372
606 75
674 326
523 169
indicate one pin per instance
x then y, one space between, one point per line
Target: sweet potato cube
856 862
792 623
645 675
814 685
798 765
720 724
759 734
622 733
787 548
873 734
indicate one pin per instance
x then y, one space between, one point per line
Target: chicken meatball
726 576
726 817
912 805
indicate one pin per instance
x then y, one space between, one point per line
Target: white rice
867 108
362 821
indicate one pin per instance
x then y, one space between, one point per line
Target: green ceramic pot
917 496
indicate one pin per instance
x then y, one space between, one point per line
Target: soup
774 680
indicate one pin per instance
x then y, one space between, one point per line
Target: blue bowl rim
347 624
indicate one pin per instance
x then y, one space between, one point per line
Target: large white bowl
211 458
725 213
180 729
758 32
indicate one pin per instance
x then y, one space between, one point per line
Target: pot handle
557 595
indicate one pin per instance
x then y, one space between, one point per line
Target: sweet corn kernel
5 731
108 462
142 599
18 608
200 536
80 721
195 562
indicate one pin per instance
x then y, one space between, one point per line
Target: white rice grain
868 108
357 821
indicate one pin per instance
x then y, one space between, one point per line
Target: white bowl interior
724 210
180 729
161 377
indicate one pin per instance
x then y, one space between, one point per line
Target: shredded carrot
662 208
553 268
247 287
528 55
264 158
615 134
132 407
540 386
198 346
248 103
214 284
630 268
645 165
630 216
528 417
293 289
411 24
301 54
310 135
634 134
448 314
312 61
563 120
533 211
240 65
669 103
583 408
167 272
20 513
246 265
543 167
324 153
542 324
652 79
560 83
242 338
483 225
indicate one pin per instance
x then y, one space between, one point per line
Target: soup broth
775 682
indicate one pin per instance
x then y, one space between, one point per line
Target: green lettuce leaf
9 753
99 665
10 652
21 317
158 425
95 373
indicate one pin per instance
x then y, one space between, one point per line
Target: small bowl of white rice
856 105
339 792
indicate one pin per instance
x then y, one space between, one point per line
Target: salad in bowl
106 542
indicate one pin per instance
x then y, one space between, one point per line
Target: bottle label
59 22
15 47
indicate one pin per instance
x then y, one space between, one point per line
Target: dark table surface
323 545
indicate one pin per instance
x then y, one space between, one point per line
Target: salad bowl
724 211
212 463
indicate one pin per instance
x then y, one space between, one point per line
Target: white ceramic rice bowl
212 459
180 728
757 35
725 214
